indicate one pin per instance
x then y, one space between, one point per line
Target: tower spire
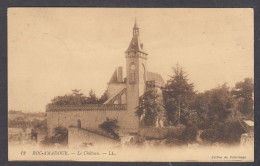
135 26
136 45
135 29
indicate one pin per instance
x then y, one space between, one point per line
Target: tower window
132 77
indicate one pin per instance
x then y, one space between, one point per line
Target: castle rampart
86 107
87 116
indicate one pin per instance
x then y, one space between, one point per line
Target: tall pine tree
178 94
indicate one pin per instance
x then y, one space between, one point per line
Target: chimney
120 74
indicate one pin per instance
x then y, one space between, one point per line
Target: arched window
132 77
116 102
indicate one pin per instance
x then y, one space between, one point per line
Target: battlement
87 107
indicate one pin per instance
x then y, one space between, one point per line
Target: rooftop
157 78
249 123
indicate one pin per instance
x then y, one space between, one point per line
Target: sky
54 50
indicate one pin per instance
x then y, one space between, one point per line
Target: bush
189 134
60 136
209 135
40 126
229 132
47 141
181 135
173 137
109 126
78 98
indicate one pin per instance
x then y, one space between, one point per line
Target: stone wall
90 116
78 137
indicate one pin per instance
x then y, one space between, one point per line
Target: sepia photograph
131 84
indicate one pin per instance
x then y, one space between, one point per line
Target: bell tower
136 59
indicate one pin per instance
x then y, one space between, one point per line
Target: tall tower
136 59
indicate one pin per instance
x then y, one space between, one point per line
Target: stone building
123 95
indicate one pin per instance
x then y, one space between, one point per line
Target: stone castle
123 95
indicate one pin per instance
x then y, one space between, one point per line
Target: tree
150 107
103 98
78 98
60 136
39 126
215 110
243 93
178 94
214 106
92 99
110 125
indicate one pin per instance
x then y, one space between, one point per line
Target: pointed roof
136 43
157 78
113 79
136 26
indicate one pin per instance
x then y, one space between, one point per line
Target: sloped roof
113 79
135 45
155 77
249 123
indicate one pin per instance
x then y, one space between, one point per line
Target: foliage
216 109
78 98
103 98
33 135
181 134
39 126
189 134
243 92
110 125
19 122
14 112
60 136
174 136
151 107
229 132
214 105
178 94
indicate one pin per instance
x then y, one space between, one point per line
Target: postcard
131 84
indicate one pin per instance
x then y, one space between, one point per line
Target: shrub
209 135
109 126
181 135
60 136
189 134
230 132
174 135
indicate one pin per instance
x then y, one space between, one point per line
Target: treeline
20 112
39 126
217 113
78 98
